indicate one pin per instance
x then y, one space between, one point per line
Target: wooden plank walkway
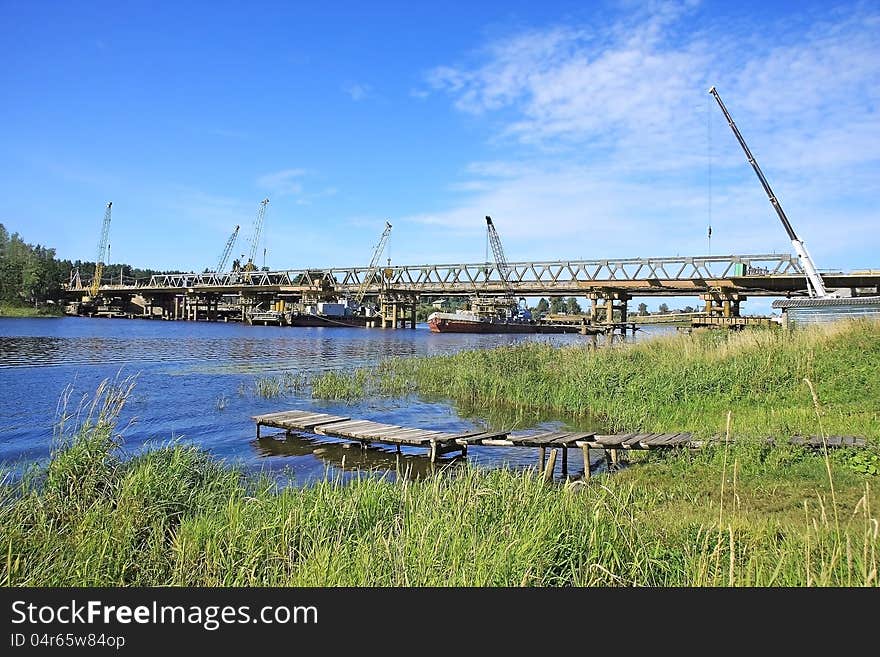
444 442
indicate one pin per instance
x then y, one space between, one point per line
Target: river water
195 383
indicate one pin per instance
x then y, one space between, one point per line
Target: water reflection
195 382
354 457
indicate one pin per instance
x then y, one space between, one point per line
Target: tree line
31 274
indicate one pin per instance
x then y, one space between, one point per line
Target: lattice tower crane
501 261
224 257
255 235
374 264
103 246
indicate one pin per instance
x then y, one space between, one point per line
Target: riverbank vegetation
666 384
41 310
31 275
741 514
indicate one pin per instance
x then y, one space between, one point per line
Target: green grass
11 310
667 384
744 515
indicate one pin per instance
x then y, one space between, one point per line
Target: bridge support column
608 302
722 303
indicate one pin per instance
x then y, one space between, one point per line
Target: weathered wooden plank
681 439
290 414
547 438
497 442
636 439
340 428
613 439
834 441
659 439
572 438
797 440
305 424
478 438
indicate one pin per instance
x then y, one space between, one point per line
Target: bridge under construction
721 282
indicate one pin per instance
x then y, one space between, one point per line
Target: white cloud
356 90
605 130
282 183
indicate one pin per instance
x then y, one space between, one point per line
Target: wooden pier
439 443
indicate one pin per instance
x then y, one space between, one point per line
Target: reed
175 516
677 383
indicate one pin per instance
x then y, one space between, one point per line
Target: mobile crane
815 284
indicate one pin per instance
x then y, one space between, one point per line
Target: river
195 384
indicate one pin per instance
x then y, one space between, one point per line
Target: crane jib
810 270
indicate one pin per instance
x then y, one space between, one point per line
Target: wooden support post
433 451
609 311
586 451
551 463
615 457
565 461
543 458
258 430
412 315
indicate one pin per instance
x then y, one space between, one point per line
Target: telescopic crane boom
813 277
224 257
103 248
374 264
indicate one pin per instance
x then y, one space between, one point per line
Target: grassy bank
676 383
9 310
744 515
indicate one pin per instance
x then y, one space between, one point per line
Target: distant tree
542 306
663 308
572 306
688 309
557 305
643 309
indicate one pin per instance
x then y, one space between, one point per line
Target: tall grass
175 516
676 383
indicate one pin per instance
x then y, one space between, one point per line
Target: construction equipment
255 235
103 249
815 285
374 265
503 269
224 257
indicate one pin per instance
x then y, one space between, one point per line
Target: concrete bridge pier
722 303
604 304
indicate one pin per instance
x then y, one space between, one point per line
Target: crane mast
255 234
103 245
498 253
374 263
501 263
224 257
813 278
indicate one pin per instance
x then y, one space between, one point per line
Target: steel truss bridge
752 275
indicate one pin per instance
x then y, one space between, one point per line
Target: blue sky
584 129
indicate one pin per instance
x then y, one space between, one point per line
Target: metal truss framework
526 278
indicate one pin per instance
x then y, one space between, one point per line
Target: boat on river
467 321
